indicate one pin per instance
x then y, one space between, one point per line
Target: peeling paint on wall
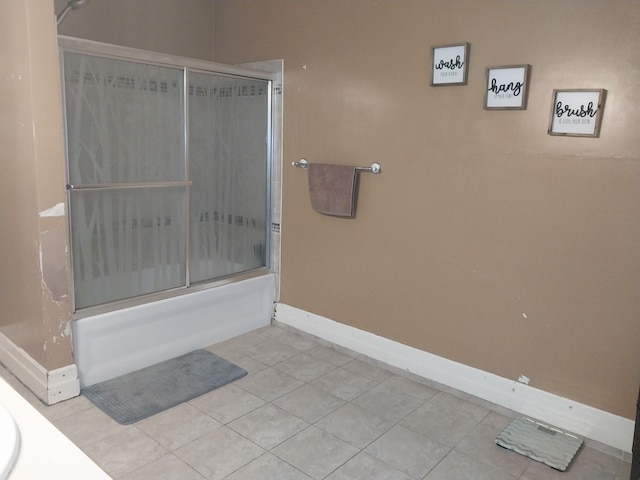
55 211
53 263
65 328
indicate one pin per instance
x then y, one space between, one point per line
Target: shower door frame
273 149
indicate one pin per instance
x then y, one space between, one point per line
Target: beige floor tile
344 384
458 466
269 384
397 383
330 355
576 471
392 406
66 408
168 467
367 369
268 426
227 403
445 427
178 426
238 343
365 467
300 342
408 451
268 467
251 365
315 452
219 453
305 367
450 403
597 460
309 403
124 452
271 352
88 426
623 471
240 358
355 425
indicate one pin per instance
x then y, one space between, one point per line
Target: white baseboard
50 386
583 420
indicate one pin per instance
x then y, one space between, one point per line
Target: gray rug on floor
151 390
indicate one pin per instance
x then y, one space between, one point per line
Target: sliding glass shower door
228 152
167 176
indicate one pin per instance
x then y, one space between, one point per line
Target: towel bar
374 168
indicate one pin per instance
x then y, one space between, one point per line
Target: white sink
9 443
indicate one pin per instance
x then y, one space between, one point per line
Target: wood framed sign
577 113
507 87
449 64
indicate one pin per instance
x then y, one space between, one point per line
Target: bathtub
115 343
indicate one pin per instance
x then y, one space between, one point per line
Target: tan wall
176 27
34 272
484 240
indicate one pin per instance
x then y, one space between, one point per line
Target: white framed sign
449 64
507 87
577 113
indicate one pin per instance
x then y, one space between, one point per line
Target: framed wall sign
577 113
449 64
507 87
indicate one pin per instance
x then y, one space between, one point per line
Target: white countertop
45 453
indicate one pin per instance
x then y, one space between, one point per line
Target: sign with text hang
507 87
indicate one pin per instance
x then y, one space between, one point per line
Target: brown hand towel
332 189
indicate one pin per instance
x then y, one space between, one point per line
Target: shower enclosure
170 174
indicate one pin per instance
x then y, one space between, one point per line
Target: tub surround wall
35 307
485 240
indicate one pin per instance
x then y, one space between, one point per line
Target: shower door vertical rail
185 139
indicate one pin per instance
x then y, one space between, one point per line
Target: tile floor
309 411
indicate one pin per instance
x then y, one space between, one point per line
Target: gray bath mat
143 393
540 442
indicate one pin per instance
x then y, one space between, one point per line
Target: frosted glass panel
124 121
127 243
228 154
144 217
